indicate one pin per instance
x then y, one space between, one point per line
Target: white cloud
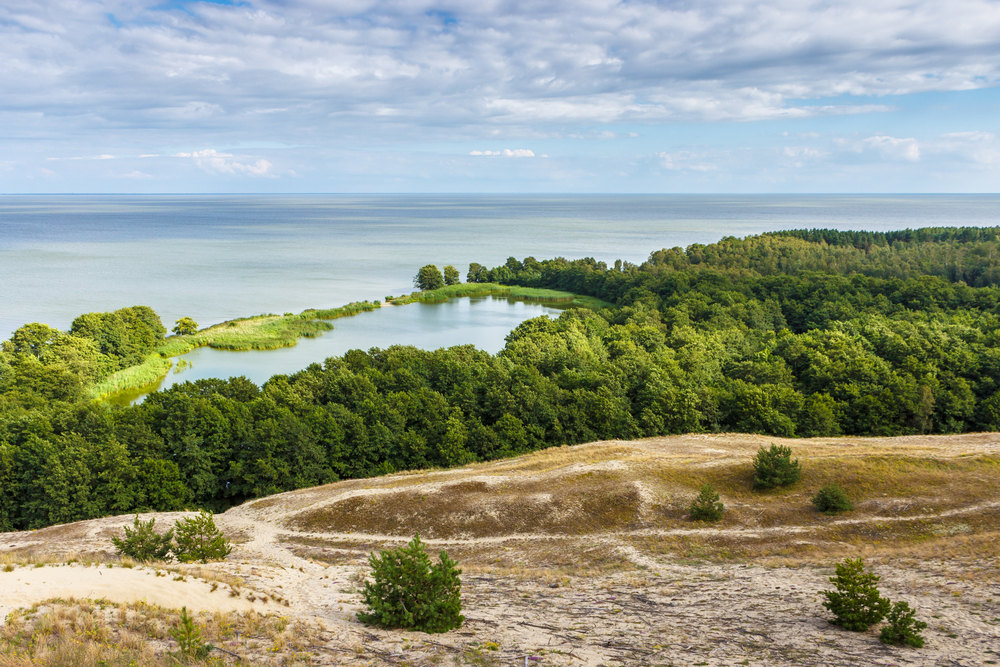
213 161
519 152
135 174
908 149
105 157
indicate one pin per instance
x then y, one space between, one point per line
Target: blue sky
499 96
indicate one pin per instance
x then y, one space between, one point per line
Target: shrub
199 540
188 637
706 507
142 542
856 602
832 499
774 467
903 628
407 591
185 327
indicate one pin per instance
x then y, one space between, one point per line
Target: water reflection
480 321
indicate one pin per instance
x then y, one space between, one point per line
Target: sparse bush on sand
903 627
143 543
856 603
199 540
408 591
706 507
774 467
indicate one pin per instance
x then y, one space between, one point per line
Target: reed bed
148 372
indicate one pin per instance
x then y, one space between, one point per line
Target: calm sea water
218 257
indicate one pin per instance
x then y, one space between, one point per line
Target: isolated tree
451 276
831 499
706 507
856 602
775 467
142 542
428 277
199 540
408 591
185 327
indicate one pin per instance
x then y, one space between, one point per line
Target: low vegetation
855 602
98 633
408 591
831 499
706 507
197 540
903 628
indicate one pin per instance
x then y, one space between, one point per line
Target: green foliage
199 540
855 603
903 628
774 467
831 499
408 591
185 327
143 543
428 277
706 507
188 637
477 274
451 276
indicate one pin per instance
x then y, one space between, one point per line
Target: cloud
686 161
519 152
215 162
135 174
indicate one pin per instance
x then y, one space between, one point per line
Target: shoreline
271 332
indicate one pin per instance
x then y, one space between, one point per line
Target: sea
217 257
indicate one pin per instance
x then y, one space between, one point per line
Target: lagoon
480 321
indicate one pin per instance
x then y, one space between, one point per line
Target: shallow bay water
480 321
216 257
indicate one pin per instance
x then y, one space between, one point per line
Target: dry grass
86 633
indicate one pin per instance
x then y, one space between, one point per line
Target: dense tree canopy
792 334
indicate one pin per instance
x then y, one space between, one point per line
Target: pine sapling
706 507
831 499
199 540
903 628
775 467
856 603
142 542
408 591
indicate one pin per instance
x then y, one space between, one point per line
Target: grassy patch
148 372
96 633
555 298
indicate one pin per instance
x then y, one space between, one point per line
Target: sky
499 96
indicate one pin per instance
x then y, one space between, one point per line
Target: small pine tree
142 542
832 499
407 591
856 602
199 540
775 467
706 507
188 637
903 628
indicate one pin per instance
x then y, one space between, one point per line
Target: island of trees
802 333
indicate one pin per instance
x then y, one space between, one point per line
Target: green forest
797 333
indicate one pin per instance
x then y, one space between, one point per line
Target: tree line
742 335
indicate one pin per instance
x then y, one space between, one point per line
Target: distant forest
794 333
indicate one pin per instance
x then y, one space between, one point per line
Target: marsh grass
146 373
99 633
554 298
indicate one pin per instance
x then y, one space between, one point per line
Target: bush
199 540
832 499
142 541
407 591
856 602
188 637
706 507
774 467
903 628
